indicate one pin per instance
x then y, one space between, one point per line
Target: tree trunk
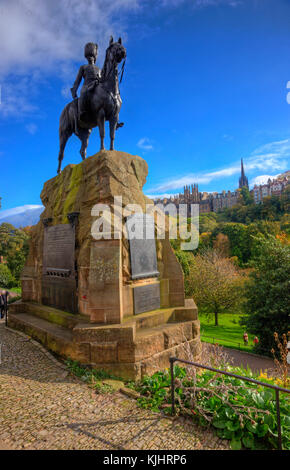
216 318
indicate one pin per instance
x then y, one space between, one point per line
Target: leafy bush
240 411
6 278
14 248
268 293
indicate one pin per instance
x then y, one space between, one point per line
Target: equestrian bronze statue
99 99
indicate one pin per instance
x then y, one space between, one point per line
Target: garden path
43 407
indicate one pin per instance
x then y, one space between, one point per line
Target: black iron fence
230 374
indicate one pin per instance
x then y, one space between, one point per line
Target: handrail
230 374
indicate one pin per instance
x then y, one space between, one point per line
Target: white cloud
162 196
41 39
145 144
274 156
31 128
201 3
262 179
18 210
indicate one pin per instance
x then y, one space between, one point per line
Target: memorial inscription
140 228
58 274
146 298
59 247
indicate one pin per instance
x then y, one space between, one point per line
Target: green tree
6 277
246 196
239 239
268 292
13 248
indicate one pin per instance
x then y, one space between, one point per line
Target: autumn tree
214 282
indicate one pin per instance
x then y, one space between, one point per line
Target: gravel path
43 407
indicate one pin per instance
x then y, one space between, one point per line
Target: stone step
163 316
151 341
56 338
50 314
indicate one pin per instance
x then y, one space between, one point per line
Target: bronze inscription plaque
58 275
140 228
146 298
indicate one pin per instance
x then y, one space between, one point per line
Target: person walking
246 338
2 305
256 340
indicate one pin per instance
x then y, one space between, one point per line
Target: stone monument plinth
114 303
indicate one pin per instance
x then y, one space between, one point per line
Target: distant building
243 180
224 200
214 202
273 187
208 202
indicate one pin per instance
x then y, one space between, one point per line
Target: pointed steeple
243 181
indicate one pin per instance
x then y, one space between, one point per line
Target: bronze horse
104 104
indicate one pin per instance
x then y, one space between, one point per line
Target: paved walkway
244 359
43 407
256 363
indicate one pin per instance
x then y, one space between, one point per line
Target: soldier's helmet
91 50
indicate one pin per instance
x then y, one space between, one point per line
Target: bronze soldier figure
91 75
100 99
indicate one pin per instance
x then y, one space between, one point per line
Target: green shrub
239 411
268 293
6 278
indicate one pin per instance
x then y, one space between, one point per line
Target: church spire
243 181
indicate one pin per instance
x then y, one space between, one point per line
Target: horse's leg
84 135
101 125
63 138
113 126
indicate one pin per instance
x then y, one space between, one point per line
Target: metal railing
230 374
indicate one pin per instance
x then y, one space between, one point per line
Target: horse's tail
65 121
66 128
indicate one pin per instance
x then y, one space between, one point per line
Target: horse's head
117 50
115 53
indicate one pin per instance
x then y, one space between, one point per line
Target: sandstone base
138 346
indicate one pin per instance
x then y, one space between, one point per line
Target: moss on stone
74 186
58 198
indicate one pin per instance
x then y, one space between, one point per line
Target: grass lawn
228 333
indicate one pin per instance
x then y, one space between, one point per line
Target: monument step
154 340
50 314
56 338
162 316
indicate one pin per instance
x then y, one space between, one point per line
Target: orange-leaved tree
215 282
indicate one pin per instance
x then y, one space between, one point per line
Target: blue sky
205 85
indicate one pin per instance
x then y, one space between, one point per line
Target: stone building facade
208 202
273 187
